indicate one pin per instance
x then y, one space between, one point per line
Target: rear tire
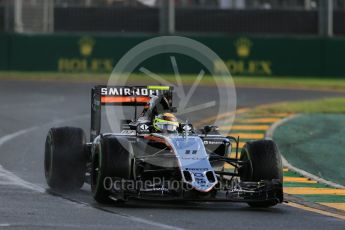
112 159
264 164
65 158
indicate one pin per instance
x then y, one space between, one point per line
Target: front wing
262 191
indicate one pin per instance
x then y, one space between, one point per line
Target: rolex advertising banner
243 55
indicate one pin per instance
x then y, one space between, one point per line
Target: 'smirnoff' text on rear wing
122 96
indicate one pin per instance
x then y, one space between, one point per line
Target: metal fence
29 16
222 4
301 17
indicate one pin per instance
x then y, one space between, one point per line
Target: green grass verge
314 143
336 84
99 78
49 76
327 105
325 83
324 198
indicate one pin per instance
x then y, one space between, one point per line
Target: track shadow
84 197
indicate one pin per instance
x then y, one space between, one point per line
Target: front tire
64 158
111 159
264 164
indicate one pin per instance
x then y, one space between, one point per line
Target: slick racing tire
111 161
65 158
264 163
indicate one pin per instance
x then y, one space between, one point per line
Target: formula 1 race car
156 157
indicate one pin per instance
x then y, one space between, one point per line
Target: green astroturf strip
323 198
315 143
296 184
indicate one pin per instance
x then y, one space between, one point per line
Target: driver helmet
166 122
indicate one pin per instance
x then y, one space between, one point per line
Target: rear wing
122 96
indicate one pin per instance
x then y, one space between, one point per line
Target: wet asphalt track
29 109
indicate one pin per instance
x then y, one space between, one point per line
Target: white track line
11 179
11 136
8 178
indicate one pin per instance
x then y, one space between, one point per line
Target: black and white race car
141 163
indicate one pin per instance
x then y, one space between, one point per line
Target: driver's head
165 122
